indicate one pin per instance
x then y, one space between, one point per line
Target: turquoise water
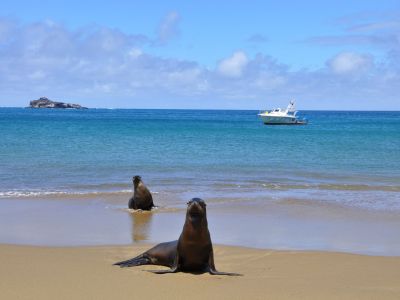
65 178
349 158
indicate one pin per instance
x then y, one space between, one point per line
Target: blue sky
202 54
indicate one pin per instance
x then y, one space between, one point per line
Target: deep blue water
350 158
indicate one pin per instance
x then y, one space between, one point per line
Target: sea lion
192 252
141 198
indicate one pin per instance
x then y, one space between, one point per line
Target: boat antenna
290 107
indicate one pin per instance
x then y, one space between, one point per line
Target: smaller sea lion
192 252
141 198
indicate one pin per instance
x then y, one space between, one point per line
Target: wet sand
287 224
87 273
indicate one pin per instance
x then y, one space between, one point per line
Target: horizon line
229 109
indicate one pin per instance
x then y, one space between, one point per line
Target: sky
327 55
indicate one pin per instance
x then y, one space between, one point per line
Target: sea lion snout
197 200
136 178
196 207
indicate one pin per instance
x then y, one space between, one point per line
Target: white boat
279 116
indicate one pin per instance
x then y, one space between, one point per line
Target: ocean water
344 159
351 158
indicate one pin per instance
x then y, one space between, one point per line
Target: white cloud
348 62
168 28
105 67
374 26
257 39
234 65
37 75
6 29
267 81
135 52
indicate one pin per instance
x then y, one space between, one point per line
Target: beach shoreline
30 272
286 224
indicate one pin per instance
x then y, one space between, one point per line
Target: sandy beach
87 273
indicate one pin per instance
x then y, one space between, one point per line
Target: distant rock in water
44 102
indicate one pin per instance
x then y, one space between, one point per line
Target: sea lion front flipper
164 271
173 269
213 271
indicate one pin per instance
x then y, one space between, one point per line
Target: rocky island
44 102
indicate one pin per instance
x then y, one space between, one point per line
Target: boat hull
296 123
273 120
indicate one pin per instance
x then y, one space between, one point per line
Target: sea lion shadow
195 273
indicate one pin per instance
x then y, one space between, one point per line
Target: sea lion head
196 210
136 180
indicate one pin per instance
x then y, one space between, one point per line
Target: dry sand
87 273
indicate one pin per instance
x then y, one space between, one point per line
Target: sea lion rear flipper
213 271
136 261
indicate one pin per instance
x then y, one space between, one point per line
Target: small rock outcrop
44 102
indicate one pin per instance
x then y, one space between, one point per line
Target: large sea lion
141 198
192 252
